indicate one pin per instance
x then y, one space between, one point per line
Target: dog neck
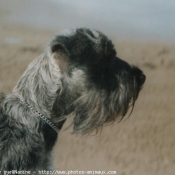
45 119
39 84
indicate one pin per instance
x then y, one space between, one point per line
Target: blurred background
136 19
144 35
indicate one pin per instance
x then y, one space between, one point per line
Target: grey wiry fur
78 76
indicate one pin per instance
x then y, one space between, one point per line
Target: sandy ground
144 144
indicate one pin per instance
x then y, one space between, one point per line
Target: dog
79 76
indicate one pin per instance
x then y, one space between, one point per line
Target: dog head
97 86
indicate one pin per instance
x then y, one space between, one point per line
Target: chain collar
39 114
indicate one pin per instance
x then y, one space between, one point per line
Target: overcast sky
132 19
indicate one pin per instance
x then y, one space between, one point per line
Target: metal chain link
39 114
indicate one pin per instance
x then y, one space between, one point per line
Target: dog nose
142 78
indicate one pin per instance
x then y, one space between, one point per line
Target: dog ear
59 54
58 47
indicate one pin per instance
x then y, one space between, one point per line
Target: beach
144 143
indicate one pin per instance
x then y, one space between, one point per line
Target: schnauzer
78 76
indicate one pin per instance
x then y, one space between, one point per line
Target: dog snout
142 79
